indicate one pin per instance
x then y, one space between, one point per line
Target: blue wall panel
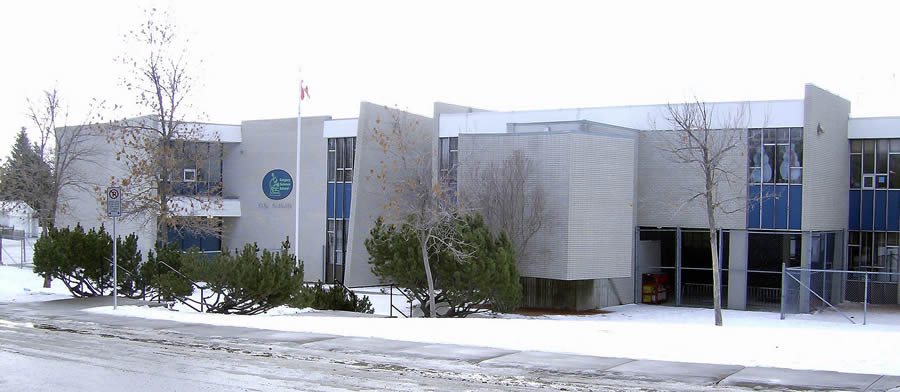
796 208
767 218
853 223
753 207
865 215
329 207
781 206
880 210
347 196
893 215
339 201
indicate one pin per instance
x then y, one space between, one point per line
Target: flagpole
297 179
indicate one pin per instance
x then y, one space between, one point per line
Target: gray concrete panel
687 372
455 352
737 269
367 345
764 377
370 193
825 161
665 188
555 362
267 145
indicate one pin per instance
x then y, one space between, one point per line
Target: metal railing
201 305
390 293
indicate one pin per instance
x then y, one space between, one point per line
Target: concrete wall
369 192
86 204
737 269
267 145
825 161
588 184
665 187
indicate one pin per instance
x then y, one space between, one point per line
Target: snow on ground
20 284
629 331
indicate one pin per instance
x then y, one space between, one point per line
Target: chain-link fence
857 296
15 247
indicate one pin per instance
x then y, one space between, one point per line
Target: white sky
493 55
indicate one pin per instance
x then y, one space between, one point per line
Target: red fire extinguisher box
654 288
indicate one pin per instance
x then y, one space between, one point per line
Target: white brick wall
826 169
665 187
550 160
588 181
601 206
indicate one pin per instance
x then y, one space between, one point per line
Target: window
200 168
341 155
875 164
775 156
449 159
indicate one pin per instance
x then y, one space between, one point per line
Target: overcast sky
493 55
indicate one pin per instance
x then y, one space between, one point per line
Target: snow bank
22 285
630 331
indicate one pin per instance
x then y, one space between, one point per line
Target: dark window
855 170
341 153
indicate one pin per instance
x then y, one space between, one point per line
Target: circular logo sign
277 184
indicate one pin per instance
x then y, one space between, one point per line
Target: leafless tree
161 149
416 198
508 201
706 144
69 150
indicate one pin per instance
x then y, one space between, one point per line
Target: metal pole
783 288
866 299
296 179
677 266
115 266
392 300
22 262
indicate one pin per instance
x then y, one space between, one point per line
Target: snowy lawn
22 285
820 342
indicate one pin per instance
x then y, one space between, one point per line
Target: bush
248 282
81 260
488 279
157 271
322 297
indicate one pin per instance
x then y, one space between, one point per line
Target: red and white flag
304 91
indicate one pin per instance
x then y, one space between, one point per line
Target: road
55 346
66 351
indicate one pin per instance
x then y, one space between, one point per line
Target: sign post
114 209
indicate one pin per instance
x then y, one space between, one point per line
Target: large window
198 170
341 153
874 252
449 160
775 175
776 155
874 164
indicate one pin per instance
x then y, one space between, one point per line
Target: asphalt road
54 346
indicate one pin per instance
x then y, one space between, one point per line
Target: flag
304 91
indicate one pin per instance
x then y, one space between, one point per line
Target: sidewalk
557 363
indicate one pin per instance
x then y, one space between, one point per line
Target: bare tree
416 198
167 158
67 149
502 194
706 143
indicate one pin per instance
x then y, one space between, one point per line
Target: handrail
409 299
